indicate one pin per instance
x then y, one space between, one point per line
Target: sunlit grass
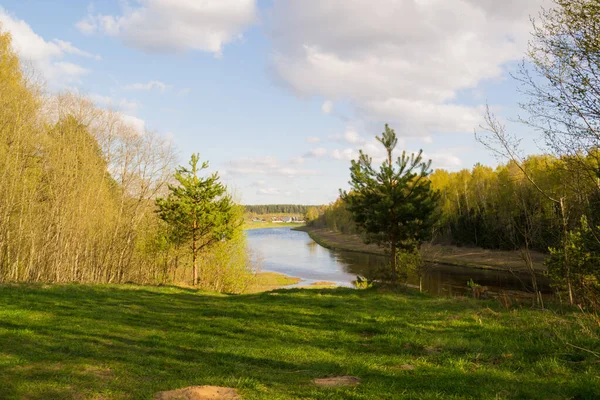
249 225
128 342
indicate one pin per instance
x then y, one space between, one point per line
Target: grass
441 254
249 225
128 342
272 280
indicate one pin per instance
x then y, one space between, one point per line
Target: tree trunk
566 249
394 261
194 251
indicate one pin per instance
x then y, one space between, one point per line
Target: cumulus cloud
327 107
46 57
313 139
176 25
162 87
138 124
267 166
345 154
297 160
316 153
349 136
402 61
123 105
271 191
443 160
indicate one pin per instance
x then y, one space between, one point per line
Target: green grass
249 225
128 342
272 280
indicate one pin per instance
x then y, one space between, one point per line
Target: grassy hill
128 342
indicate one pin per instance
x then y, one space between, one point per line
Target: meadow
129 342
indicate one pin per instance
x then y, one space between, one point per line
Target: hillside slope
129 342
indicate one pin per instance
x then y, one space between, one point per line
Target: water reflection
294 253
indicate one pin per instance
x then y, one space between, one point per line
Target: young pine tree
198 209
394 205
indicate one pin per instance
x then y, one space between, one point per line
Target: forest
277 209
78 195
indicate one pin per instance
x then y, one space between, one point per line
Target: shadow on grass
128 342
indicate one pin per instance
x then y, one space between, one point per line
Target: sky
279 95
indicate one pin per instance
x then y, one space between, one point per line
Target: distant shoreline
248 226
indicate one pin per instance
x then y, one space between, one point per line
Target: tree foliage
78 189
296 209
199 210
562 76
395 204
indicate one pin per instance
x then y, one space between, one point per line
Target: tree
312 214
562 77
395 205
198 210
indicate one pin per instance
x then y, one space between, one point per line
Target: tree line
78 195
277 209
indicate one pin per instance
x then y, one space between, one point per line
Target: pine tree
394 205
198 210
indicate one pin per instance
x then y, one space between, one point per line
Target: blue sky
279 95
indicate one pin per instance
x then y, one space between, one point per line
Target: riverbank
440 254
129 342
249 225
265 281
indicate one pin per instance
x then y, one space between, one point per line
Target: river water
294 253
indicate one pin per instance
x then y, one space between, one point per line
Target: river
294 253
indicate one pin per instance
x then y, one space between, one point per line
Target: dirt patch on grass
199 393
336 381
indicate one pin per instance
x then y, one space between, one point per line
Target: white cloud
68 48
327 107
124 105
267 166
316 153
400 61
349 136
162 87
46 57
176 25
271 191
297 160
86 27
352 136
346 154
70 70
136 123
313 139
443 160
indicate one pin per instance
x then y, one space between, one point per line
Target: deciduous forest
78 195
